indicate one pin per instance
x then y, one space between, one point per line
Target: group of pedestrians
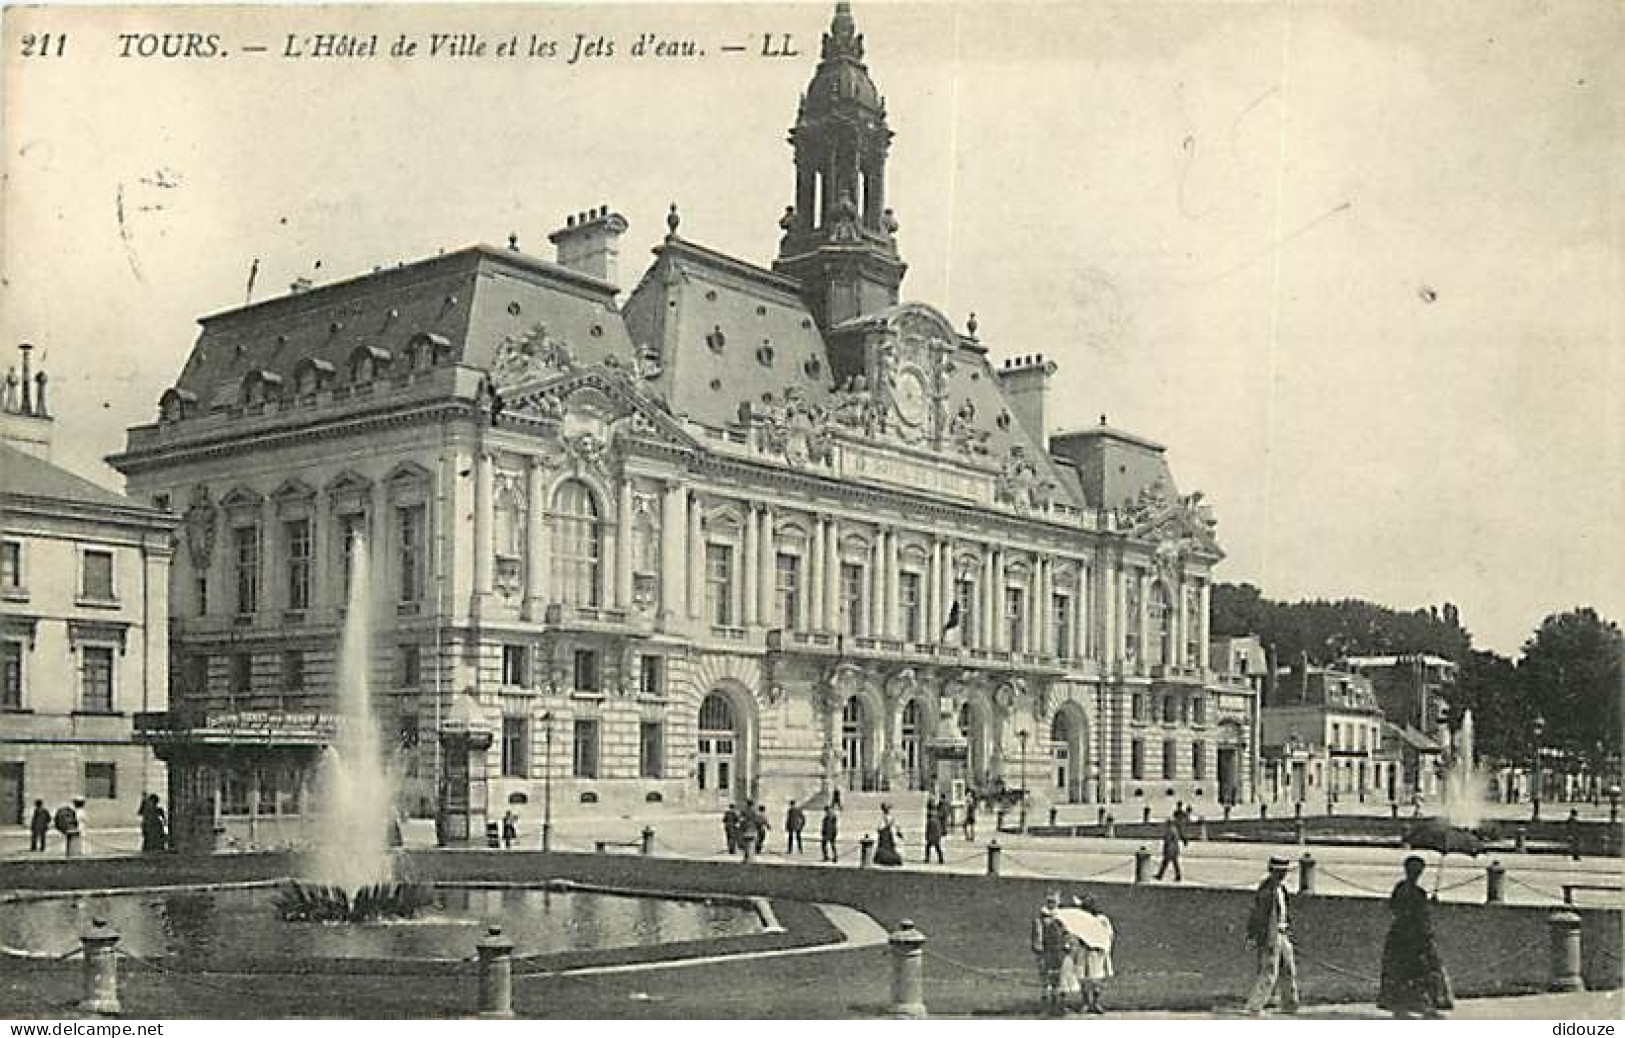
73 822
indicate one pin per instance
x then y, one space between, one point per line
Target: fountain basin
202 926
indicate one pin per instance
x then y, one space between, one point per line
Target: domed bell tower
840 240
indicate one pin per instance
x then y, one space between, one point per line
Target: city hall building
754 531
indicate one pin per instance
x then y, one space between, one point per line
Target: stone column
696 558
673 530
747 612
894 627
1204 620
483 527
1144 619
1038 620
832 575
815 575
767 571
933 594
623 546
985 628
535 547
877 586
1108 613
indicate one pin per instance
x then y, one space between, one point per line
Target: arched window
577 545
1159 631
510 525
912 770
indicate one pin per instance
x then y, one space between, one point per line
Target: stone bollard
747 844
1227 812
495 953
1111 828
1263 812
1518 840
1297 809
907 986
1565 931
100 944
1393 810
72 843
1306 874
648 847
1201 828
1100 816
866 851
1494 883
1145 815
1613 811
1142 866
1297 830
1052 813
993 851
1331 808
600 846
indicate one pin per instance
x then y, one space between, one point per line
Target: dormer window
260 387
311 376
366 362
176 404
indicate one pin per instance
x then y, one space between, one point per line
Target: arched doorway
1069 742
973 725
857 766
717 757
913 725
1230 746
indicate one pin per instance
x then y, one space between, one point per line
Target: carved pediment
585 414
1180 526
525 358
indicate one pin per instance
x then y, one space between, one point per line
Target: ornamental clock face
908 395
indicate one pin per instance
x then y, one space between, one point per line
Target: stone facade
751 534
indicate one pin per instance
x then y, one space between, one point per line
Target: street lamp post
1021 737
547 781
1534 776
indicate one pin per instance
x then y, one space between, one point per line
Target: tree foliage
1327 630
1570 675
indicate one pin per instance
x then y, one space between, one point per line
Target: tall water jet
1464 787
357 791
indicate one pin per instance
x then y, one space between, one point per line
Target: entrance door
1228 791
715 771
11 793
913 764
854 747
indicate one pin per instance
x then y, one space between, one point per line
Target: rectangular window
101 781
651 677
1061 617
1198 760
787 588
349 527
233 793
293 671
411 666
515 747
719 584
270 781
1170 709
586 671
242 675
96 679
1170 759
97 580
1199 709
245 553
409 531
195 676
651 749
853 619
1015 615
296 546
1136 759
1337 736
584 761
513 665
11 566
965 598
908 604
1139 706
11 675
201 588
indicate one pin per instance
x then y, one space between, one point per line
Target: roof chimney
590 242
1025 382
25 421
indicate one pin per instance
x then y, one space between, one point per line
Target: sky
1358 266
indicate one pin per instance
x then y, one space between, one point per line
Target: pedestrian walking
1171 840
828 832
730 828
762 826
39 826
1571 831
510 829
933 836
887 837
1050 950
154 825
745 831
970 817
69 821
1414 982
1269 934
1092 936
945 812
795 820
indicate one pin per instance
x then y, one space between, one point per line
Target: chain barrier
193 976
1335 968
1483 966
1329 874
1555 899
1046 874
984 971
1460 883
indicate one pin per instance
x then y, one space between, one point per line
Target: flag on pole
953 618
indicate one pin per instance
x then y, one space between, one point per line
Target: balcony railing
862 646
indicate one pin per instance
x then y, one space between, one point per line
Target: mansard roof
28 477
474 299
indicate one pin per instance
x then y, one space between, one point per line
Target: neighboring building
1413 690
1243 664
84 583
1322 738
753 533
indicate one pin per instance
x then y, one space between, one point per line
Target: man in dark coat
762 826
933 836
1171 839
745 833
795 820
828 832
1267 931
39 826
730 828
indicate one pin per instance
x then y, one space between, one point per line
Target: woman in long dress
1093 934
1413 978
887 838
